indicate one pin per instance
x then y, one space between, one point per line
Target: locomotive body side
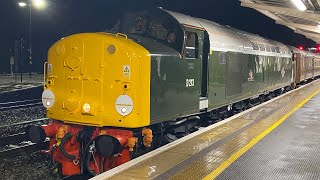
236 76
240 65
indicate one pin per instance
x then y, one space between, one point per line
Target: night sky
65 17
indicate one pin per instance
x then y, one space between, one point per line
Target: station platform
278 139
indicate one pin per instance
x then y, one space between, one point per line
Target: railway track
19 104
18 144
24 123
24 148
14 139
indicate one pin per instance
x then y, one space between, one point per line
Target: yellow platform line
241 151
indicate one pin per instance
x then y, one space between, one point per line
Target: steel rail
24 149
23 123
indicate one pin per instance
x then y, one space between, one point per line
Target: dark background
65 17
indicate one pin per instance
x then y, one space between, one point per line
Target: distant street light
22 4
39 4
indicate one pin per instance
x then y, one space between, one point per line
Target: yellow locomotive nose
99 79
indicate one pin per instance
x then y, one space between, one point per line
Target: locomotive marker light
124 105
48 98
86 107
111 49
123 110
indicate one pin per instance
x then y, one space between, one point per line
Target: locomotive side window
255 46
261 47
191 45
268 48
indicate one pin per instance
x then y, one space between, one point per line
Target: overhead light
299 4
22 4
39 3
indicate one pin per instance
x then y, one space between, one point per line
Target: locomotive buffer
277 139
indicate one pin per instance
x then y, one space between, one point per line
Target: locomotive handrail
44 74
121 35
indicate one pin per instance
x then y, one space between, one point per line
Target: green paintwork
170 97
228 74
266 72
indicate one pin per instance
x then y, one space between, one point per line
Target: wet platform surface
291 151
232 149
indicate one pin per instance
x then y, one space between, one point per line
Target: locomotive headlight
48 98
124 105
86 107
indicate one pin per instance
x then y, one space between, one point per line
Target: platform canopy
302 16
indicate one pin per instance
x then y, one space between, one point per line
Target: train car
298 58
106 91
306 65
316 65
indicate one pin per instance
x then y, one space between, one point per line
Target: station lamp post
38 4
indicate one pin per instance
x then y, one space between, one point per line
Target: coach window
191 45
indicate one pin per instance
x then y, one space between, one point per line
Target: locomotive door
204 102
83 85
197 49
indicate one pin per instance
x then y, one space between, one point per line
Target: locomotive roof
226 38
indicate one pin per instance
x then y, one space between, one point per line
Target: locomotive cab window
149 26
192 45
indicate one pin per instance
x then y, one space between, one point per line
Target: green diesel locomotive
157 70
